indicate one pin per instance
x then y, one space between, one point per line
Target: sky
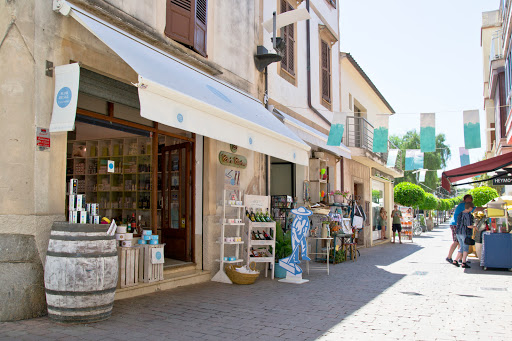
423 56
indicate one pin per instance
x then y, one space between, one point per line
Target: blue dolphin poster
299 230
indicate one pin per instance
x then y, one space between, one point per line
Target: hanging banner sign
380 134
413 159
472 129
67 78
232 160
392 154
464 156
423 173
428 132
337 128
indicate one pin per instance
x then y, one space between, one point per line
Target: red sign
43 138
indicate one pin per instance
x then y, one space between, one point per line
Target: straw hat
302 211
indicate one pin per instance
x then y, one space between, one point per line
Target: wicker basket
241 278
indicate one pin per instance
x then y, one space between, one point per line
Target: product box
73 184
88 208
95 209
72 202
96 219
83 217
80 202
74 217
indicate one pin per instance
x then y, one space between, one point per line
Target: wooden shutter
186 23
200 33
288 36
326 72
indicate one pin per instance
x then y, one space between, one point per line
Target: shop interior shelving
232 222
318 181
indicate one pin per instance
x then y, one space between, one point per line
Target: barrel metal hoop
81 238
80 293
81 255
74 319
99 307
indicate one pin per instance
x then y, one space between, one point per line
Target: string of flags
413 157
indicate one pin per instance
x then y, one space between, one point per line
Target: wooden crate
128 266
149 272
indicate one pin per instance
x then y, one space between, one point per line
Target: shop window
186 23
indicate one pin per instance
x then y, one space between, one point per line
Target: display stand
267 246
407 222
323 253
231 223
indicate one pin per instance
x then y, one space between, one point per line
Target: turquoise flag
337 129
413 159
472 129
464 156
428 132
392 154
380 134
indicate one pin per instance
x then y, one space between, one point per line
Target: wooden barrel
80 273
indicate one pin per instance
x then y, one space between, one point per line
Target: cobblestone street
393 292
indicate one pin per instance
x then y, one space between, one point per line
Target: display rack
232 222
318 178
266 247
407 223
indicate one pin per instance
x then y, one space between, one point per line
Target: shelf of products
261 232
123 193
230 237
406 222
318 178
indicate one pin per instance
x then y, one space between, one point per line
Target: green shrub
408 194
482 195
430 202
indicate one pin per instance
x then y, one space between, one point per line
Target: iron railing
359 134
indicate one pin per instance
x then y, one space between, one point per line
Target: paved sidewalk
393 292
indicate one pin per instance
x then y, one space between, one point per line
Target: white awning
313 136
175 94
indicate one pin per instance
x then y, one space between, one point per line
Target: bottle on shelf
261 235
255 236
128 224
253 216
268 218
267 237
247 214
133 223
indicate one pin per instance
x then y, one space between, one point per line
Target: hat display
302 211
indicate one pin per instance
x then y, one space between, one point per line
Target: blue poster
300 230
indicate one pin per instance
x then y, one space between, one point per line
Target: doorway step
174 276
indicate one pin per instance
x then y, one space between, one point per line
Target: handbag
469 241
358 222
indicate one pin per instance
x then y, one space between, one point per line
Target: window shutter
288 36
200 34
186 23
180 21
326 72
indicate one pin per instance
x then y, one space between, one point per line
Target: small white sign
157 255
110 166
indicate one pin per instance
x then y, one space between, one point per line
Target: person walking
453 224
383 221
463 229
396 215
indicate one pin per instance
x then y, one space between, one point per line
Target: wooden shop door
176 185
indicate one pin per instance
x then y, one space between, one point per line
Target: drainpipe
308 67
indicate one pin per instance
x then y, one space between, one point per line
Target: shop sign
502 180
377 173
43 139
232 160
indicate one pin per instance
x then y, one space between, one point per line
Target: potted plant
339 196
283 249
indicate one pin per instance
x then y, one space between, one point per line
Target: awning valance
474 169
175 94
313 136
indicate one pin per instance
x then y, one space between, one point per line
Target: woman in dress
383 219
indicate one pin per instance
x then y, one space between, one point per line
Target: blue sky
423 56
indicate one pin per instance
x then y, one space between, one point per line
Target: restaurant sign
232 160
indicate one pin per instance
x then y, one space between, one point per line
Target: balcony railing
496 47
359 134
